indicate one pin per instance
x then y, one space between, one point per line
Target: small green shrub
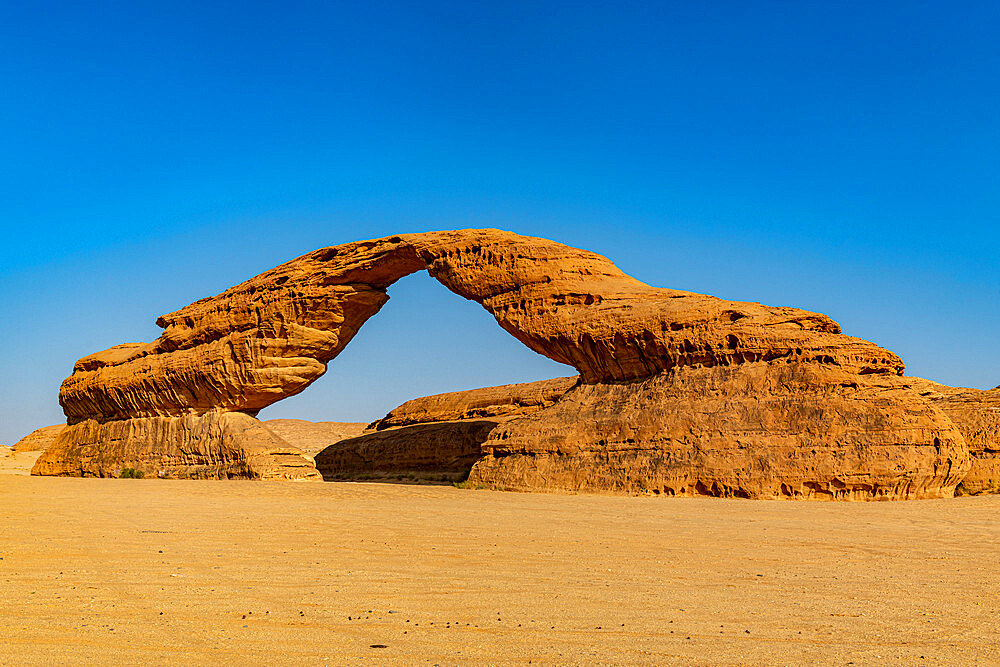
131 473
468 485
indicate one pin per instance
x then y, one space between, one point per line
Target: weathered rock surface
437 447
761 430
509 400
215 445
976 413
39 440
313 437
443 433
678 392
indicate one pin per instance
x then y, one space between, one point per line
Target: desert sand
16 463
194 572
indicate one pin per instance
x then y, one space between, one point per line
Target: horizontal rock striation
272 336
509 400
761 430
976 413
449 448
443 433
215 445
38 440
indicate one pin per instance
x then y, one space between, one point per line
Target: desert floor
130 571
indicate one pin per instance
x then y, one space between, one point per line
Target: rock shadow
438 451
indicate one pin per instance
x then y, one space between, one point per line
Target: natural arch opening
423 342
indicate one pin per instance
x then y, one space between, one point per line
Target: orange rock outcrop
976 413
313 437
39 440
214 445
443 433
678 392
757 430
504 401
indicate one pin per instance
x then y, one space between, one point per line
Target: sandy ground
179 572
16 463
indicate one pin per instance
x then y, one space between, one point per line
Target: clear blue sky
838 156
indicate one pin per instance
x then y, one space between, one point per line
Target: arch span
679 393
272 336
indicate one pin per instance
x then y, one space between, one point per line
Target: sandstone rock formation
214 445
976 413
39 440
753 430
504 401
313 437
446 450
443 433
678 392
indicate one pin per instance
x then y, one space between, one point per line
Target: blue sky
837 156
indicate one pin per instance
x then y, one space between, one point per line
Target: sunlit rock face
756 430
441 434
213 445
39 440
976 414
677 392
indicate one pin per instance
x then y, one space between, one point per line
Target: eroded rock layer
443 433
504 401
438 447
216 445
39 440
976 413
270 337
762 430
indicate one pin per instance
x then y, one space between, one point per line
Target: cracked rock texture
678 392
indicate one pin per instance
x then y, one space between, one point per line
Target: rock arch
272 336
186 401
